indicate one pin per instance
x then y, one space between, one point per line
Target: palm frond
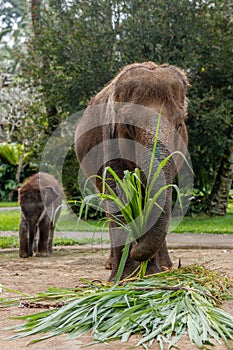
161 308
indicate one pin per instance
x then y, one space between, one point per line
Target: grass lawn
205 224
13 241
9 221
8 204
208 224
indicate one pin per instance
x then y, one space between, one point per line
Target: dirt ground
64 269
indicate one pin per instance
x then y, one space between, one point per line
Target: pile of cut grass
160 308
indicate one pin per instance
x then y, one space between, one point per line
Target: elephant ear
49 194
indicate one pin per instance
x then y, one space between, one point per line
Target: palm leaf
159 308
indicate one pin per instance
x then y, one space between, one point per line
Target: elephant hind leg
23 239
44 230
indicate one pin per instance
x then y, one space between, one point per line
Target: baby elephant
40 198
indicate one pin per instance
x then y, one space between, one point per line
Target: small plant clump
160 308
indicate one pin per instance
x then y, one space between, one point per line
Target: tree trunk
220 193
35 13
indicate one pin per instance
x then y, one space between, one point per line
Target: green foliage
196 36
207 147
71 223
12 153
70 180
11 156
23 113
71 75
161 308
12 32
7 180
11 13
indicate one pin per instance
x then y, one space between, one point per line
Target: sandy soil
64 269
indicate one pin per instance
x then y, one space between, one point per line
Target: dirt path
64 269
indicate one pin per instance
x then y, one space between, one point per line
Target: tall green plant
13 152
12 169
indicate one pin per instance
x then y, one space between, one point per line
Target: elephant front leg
50 240
44 230
118 239
131 266
23 238
53 223
153 265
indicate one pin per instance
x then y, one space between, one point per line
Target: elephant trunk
149 244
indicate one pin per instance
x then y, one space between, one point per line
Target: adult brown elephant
118 129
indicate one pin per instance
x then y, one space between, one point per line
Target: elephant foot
131 269
165 268
50 246
165 261
153 266
108 263
24 254
42 254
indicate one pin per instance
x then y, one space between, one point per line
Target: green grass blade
125 254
